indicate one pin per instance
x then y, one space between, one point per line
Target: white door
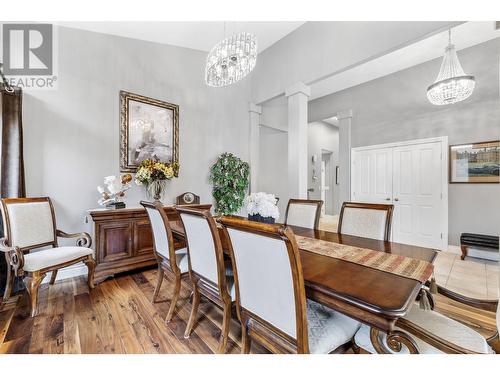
323 187
417 195
372 176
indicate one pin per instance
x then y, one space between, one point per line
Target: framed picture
149 129
475 163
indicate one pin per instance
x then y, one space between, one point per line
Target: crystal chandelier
452 85
231 59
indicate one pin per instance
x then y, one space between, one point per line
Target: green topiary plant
230 177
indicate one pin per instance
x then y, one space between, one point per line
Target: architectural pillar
254 112
344 118
298 95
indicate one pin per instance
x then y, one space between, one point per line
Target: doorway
326 183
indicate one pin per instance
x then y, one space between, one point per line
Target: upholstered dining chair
207 268
270 294
30 224
303 213
429 332
366 220
169 260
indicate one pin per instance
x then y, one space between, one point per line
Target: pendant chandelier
452 85
231 59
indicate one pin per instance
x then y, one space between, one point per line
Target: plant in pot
230 178
154 175
262 207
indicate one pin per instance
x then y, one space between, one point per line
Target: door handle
387 199
396 199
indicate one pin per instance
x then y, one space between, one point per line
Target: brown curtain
12 164
12 183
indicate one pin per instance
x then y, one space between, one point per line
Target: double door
410 177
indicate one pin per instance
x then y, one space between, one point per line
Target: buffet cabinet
123 239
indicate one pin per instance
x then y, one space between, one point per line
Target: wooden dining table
371 296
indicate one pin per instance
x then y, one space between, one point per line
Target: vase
156 189
261 219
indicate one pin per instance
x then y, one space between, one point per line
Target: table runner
410 268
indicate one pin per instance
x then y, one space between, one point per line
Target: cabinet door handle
387 199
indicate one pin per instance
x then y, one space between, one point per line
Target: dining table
374 297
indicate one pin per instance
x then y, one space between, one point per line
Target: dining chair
429 332
303 213
270 295
366 220
163 245
30 224
207 269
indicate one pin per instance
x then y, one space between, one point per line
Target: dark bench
480 241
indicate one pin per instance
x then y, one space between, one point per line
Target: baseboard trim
75 270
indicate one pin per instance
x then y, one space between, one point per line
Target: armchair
30 224
431 332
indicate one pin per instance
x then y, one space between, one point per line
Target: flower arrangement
114 189
262 207
230 177
154 174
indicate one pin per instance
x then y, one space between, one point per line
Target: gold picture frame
149 129
475 163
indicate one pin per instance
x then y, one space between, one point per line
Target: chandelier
231 59
452 85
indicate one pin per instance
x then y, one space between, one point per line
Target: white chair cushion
30 223
364 222
54 256
436 323
181 258
302 214
327 328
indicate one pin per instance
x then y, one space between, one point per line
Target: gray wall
72 133
395 108
323 137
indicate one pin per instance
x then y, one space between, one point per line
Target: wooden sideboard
123 239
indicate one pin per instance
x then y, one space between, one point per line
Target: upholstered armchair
30 224
429 332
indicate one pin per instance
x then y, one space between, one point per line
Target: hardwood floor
118 317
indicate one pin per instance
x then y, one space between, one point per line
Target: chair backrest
163 241
366 220
268 275
29 223
206 257
303 213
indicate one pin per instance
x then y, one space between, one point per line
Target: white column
344 118
254 112
298 95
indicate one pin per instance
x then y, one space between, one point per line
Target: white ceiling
464 35
195 35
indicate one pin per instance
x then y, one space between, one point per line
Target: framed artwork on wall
475 163
149 129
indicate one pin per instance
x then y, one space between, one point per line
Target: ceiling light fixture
231 59
452 85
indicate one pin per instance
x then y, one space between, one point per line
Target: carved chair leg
194 311
245 338
32 283
53 277
226 320
175 296
90 263
10 282
161 274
